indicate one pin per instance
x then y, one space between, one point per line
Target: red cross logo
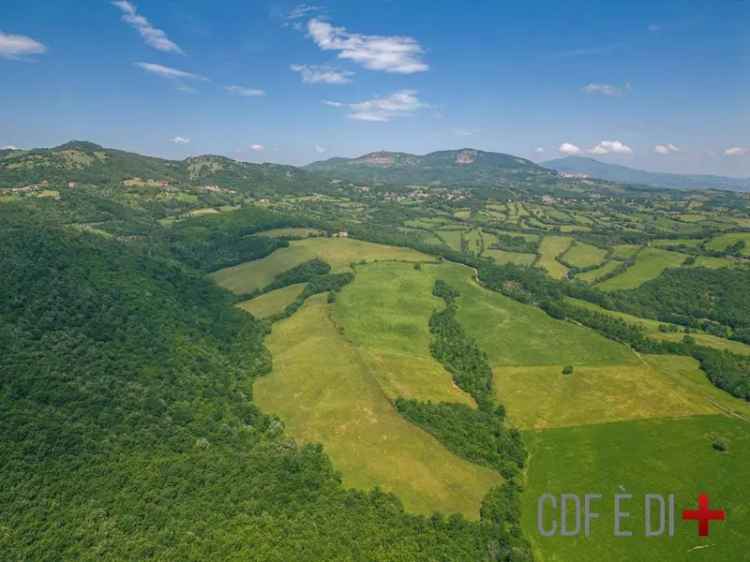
703 515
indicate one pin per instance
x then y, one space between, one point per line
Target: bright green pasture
596 274
340 253
624 251
502 257
650 263
549 249
273 302
325 393
658 456
385 313
581 254
515 334
725 240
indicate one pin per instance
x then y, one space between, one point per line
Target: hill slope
449 167
623 174
89 163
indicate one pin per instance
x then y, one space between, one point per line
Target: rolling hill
89 163
622 174
448 167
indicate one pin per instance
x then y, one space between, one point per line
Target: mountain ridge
624 174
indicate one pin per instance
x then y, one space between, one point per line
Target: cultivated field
584 255
649 264
549 249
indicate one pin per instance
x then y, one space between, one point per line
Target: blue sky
657 85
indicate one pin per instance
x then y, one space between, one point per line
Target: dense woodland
127 419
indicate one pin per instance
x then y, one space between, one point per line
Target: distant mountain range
86 162
622 174
447 167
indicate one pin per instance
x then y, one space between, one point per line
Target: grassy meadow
325 393
272 302
649 264
549 249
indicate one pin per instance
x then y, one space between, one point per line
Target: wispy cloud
604 89
257 147
154 37
610 147
15 47
167 72
312 74
320 149
181 140
569 148
302 11
665 149
465 132
736 151
397 54
245 92
333 103
399 104
539 150
9 147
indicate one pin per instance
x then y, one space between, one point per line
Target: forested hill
127 420
450 167
89 163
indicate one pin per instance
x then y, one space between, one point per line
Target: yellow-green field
725 240
624 251
340 253
596 274
549 249
650 263
325 393
581 254
542 397
502 257
273 302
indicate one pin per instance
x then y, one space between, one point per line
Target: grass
502 257
340 253
584 255
624 251
385 313
649 264
515 334
274 302
651 328
542 397
714 263
651 456
451 237
725 240
549 249
325 393
595 274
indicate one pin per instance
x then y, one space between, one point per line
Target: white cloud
402 55
665 149
257 147
613 147
9 147
167 72
312 74
603 89
153 36
465 132
569 149
181 140
16 46
654 27
398 104
736 151
539 150
245 92
320 149
302 10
